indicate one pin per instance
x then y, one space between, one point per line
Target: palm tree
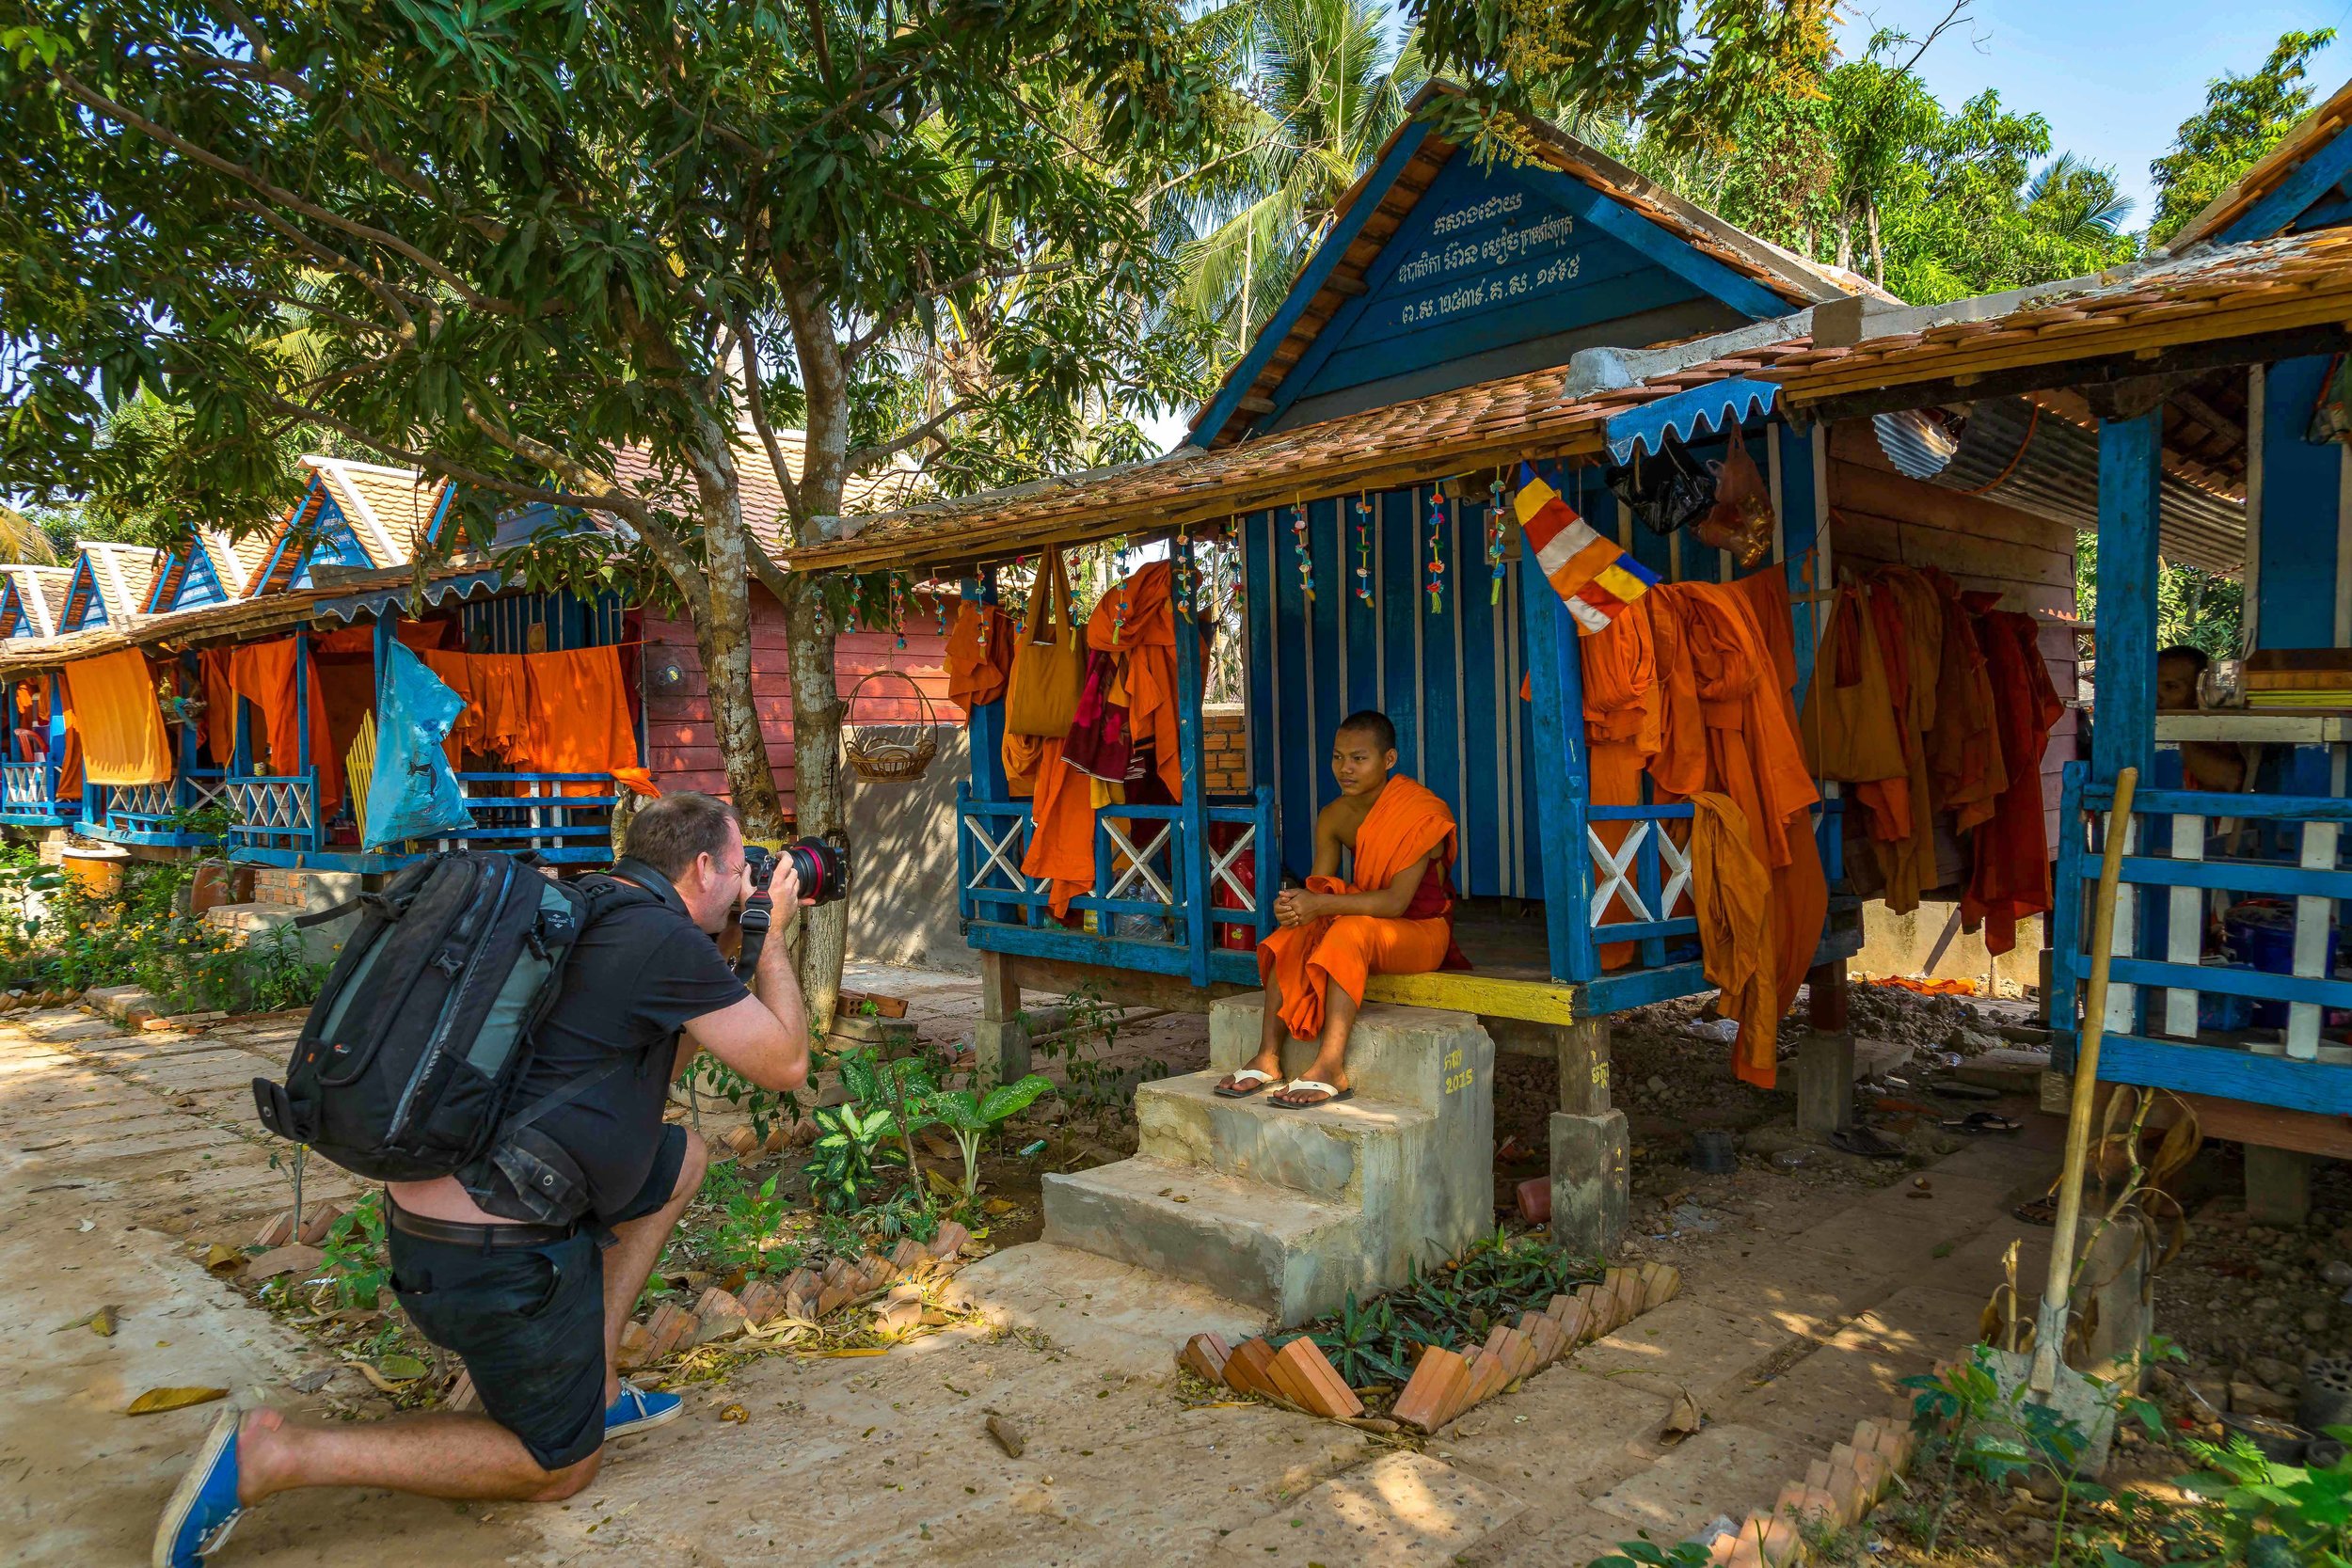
2077 202
1329 81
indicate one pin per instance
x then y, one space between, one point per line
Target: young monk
1394 917
2204 764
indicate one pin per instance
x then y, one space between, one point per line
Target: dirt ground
1815 1280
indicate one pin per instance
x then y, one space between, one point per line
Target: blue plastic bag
413 793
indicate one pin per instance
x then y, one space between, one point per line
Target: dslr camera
823 868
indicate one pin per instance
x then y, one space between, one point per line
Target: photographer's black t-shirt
639 972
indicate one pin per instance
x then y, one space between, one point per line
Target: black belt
463 1233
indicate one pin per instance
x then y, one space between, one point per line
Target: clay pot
218 882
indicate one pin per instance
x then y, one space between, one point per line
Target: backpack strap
556 1099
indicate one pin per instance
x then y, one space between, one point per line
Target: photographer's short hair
668 834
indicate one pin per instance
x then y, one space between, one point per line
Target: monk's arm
1386 902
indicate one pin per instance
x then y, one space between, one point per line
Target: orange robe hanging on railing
1726 672
1061 843
577 721
263 674
1406 822
1731 893
1622 730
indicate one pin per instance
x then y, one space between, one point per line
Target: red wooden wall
685 751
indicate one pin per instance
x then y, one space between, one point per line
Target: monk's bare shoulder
1342 817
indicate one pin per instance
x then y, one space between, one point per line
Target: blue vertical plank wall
1449 678
2302 493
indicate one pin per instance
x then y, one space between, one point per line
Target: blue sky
2114 80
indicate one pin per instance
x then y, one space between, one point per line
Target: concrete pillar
2278 1187
1590 1167
1000 1039
1824 1082
1583 1051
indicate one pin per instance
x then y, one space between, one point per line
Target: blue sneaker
639 1410
204 1507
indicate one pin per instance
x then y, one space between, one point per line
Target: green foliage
2244 118
356 1265
1088 1031
970 1116
138 937
765 1107
852 1144
1496 1280
747 1233
1646 1553
2274 1514
2204 610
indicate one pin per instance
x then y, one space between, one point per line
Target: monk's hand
1286 905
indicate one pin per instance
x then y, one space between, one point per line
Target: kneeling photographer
527 1260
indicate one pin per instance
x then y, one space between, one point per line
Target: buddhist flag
1594 575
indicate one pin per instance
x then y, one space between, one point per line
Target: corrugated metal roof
2012 451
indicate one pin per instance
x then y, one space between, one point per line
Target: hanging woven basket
889 753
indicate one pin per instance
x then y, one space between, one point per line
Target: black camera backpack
409 1060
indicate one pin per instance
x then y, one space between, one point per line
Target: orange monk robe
1910 623
1406 822
979 656
1623 707
1731 892
577 721
263 674
1849 724
121 730
2010 873
1142 640
69 753
1800 886
220 708
1964 762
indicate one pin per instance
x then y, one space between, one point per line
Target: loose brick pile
804 1294
1445 1383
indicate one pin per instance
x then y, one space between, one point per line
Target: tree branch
863 458
757 401
100 103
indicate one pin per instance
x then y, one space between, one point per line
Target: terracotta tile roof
2308 134
1423 438
391 510
41 591
894 485
2214 293
236 559
123 573
277 612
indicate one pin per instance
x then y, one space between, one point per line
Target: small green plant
1362 1344
748 1231
766 1108
1090 1031
355 1264
853 1143
1997 1436
970 1116
2275 1515
1646 1553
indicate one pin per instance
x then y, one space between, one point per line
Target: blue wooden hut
2213 372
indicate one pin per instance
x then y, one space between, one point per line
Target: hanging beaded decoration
1306 556
1180 572
1118 616
939 602
899 604
1436 558
1364 549
1241 590
1495 525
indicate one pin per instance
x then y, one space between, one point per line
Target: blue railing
275 812
1646 872
1141 901
29 796
531 811
142 814
2173 1019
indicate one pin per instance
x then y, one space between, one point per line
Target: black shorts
529 1320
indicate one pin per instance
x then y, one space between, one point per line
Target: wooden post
1555 686
1825 992
1582 1050
1191 859
1001 1039
2123 732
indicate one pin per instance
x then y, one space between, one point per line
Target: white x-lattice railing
1137 863
998 856
25 786
206 789
272 808
1223 873
141 799
1615 875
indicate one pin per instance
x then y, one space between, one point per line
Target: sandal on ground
1859 1139
1983 1121
2042 1210
1242 1084
1309 1086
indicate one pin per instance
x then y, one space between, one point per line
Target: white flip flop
1330 1095
1249 1076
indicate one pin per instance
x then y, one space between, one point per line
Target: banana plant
971 1117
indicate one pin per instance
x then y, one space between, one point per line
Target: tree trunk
1878 252
820 807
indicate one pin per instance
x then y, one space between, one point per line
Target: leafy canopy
2244 118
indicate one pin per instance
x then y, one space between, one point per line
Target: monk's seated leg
1326 1078
1265 1068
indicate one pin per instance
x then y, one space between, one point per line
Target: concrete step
1419 1056
1282 1253
1325 1152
